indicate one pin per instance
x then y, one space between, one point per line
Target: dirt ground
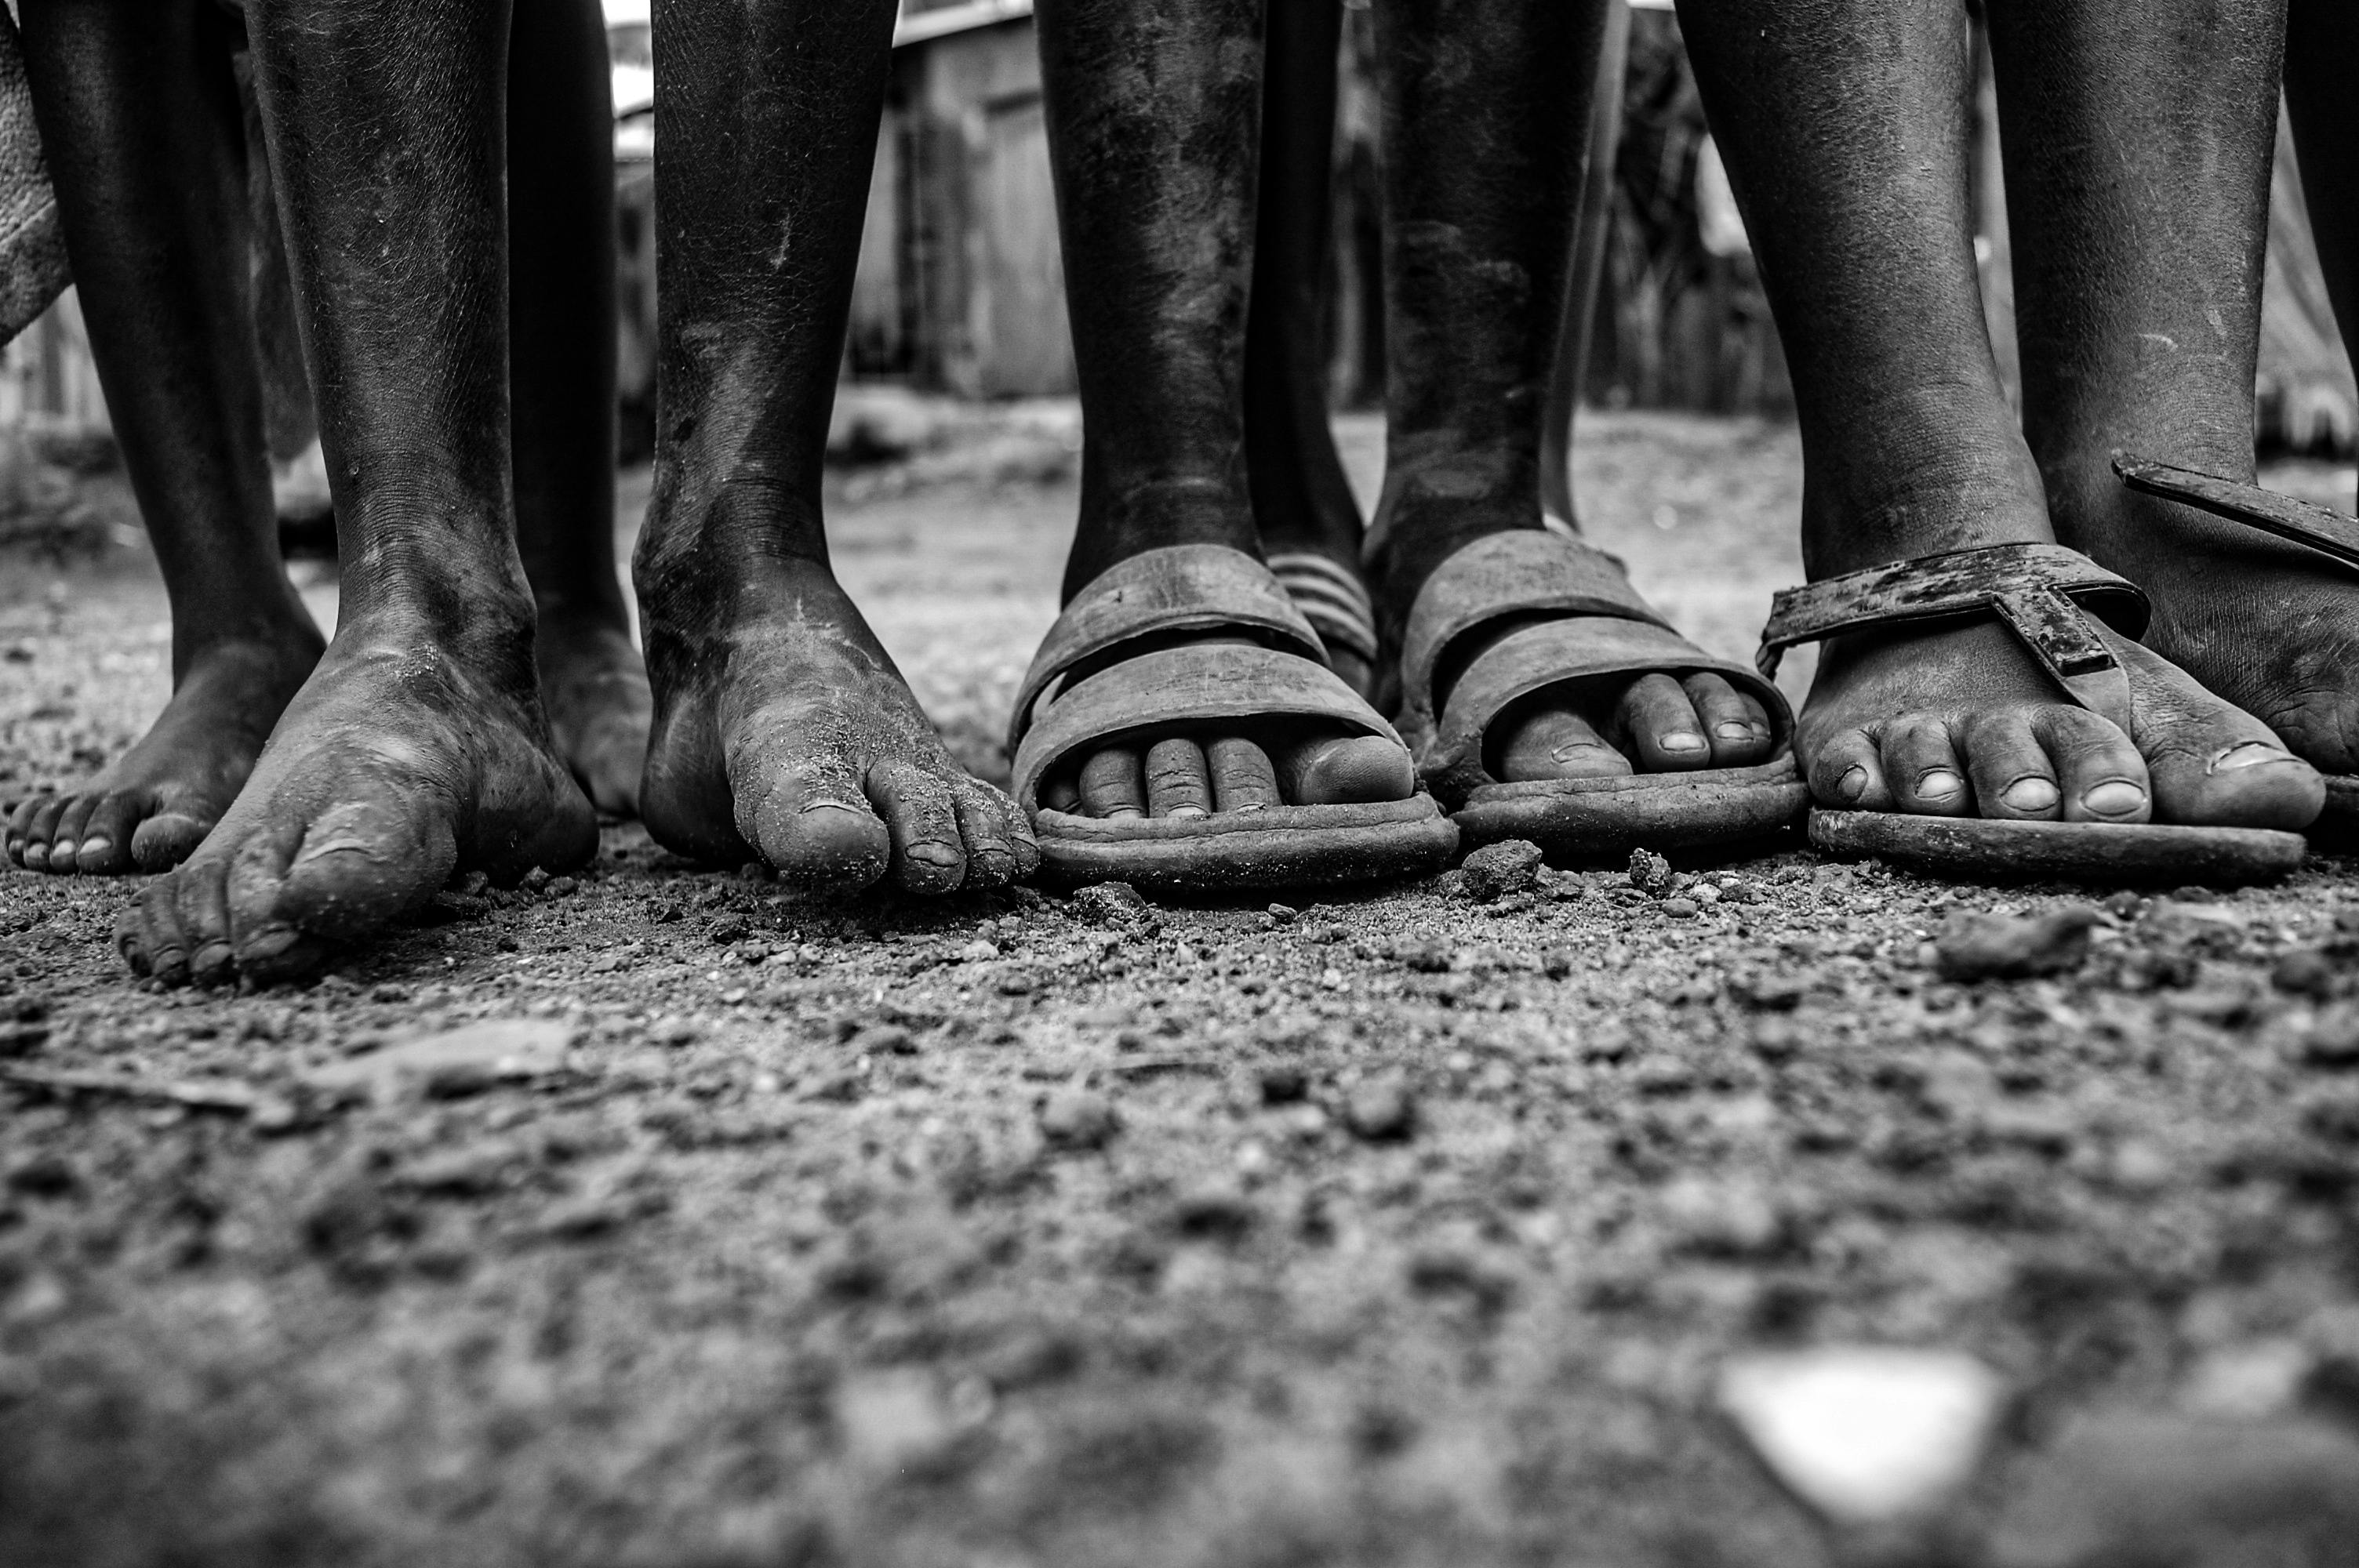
1399 1227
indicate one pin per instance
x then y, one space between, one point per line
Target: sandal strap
2321 528
1179 589
2043 593
1332 598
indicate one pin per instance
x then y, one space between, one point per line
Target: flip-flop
2045 594
1111 667
2320 528
1558 612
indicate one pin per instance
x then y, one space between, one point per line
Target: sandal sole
1278 847
2104 854
1603 819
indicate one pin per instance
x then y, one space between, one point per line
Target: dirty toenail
1735 731
2114 797
1680 740
1938 784
1573 748
1187 813
2251 754
934 854
2031 793
97 844
1123 814
810 806
212 956
1852 785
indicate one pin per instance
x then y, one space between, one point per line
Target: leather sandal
2319 528
2048 596
1515 614
1111 669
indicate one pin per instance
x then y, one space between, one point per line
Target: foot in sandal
1965 682
1183 725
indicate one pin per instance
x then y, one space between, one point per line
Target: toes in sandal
1558 612
1109 670
2045 594
2319 528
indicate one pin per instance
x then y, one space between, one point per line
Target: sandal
2044 595
2319 528
1563 611
1108 669
1335 602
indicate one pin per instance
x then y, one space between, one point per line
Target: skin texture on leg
143 131
2138 267
1484 175
418 750
1589 247
782 731
1844 130
1301 501
561 390
1154 110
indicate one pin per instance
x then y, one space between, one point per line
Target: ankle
1119 521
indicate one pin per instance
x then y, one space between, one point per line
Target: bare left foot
403 761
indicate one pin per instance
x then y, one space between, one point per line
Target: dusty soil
1399 1228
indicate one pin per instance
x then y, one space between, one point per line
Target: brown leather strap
2321 528
2044 594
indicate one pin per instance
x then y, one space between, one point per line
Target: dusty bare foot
594 686
1963 723
784 733
401 762
149 810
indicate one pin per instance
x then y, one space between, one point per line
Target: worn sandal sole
1595 819
2098 852
1277 847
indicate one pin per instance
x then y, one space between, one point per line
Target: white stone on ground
1865 1434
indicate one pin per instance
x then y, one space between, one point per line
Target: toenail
1680 740
212 956
941 855
1734 730
2251 754
1566 753
810 806
99 845
2032 794
1188 812
1852 785
2114 797
1938 784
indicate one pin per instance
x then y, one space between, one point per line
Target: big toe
1550 743
165 839
814 825
1349 769
354 867
2226 775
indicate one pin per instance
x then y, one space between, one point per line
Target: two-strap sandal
2321 529
1128 663
2047 595
1514 615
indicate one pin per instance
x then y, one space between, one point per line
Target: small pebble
2332 1040
2005 946
1681 908
1497 869
1649 872
561 886
1109 904
977 952
1079 1118
1283 914
2305 972
1380 1112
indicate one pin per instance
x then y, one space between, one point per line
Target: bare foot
594 686
400 764
1963 723
784 733
151 809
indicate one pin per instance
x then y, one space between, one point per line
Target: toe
105 849
73 826
1550 743
987 821
1179 783
1113 784
20 826
2225 768
921 814
1847 773
1736 725
1666 736
814 825
165 839
201 907
2098 771
156 943
1347 769
2012 776
40 830
355 866
1242 776
1921 761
